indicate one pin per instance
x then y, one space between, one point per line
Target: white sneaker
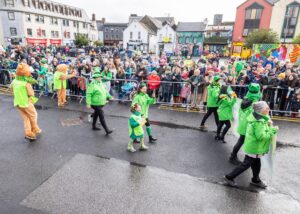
90 118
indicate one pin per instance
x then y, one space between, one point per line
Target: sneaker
109 132
203 129
259 184
229 182
152 139
144 148
132 150
234 160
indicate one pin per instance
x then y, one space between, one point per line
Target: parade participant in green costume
135 126
97 97
24 100
225 112
213 91
260 134
143 99
246 109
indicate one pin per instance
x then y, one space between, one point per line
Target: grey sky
182 10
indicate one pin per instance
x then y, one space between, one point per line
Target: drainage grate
71 122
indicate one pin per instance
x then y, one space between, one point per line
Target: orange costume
60 83
24 100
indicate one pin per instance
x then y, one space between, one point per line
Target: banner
281 52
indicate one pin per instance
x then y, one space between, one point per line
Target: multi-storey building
282 16
111 34
31 22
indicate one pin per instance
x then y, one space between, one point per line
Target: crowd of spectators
176 80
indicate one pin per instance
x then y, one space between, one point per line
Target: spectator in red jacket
153 82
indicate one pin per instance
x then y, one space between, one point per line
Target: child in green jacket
225 112
135 126
143 99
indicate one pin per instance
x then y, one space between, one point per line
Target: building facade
190 37
218 38
167 38
285 19
43 22
111 34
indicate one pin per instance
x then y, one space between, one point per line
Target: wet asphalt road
25 166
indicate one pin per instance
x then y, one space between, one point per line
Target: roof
272 1
191 26
169 20
148 28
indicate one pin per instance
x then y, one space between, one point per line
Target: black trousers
211 110
147 122
238 146
227 124
248 162
98 112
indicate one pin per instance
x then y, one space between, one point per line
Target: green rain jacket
213 91
259 134
134 126
96 94
144 101
225 110
245 111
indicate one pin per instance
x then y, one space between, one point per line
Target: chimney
93 17
103 20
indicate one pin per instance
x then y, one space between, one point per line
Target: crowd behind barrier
176 81
177 94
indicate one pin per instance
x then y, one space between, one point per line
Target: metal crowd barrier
282 101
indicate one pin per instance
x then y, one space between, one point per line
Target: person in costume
60 83
213 91
259 136
225 112
144 100
24 100
97 97
246 108
136 131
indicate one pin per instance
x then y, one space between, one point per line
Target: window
67 35
112 29
139 35
53 21
11 15
29 32
117 37
40 32
43 33
9 3
106 36
26 3
245 32
65 22
117 29
27 17
131 35
253 16
39 18
76 24
13 31
106 29
187 40
195 40
56 33
84 25
290 20
170 37
112 37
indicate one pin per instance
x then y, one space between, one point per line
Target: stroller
128 89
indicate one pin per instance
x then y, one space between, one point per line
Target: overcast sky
182 10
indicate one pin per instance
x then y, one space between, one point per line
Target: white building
150 34
285 19
137 36
167 38
31 22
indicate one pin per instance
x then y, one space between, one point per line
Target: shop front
239 50
55 41
137 45
33 41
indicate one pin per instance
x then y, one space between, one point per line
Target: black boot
108 132
222 139
95 128
217 137
152 139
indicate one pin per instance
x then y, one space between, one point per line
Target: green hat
142 85
253 92
44 61
96 75
63 57
254 88
216 78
